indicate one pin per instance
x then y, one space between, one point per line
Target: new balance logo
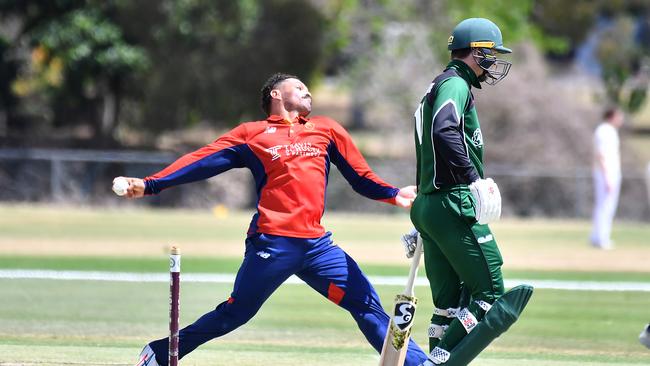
263 255
270 130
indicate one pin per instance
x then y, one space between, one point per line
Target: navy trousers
268 261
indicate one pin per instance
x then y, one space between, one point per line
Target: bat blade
398 333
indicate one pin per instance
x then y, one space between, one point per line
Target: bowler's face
295 96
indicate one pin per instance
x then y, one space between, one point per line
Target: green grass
55 223
77 224
107 322
47 322
230 265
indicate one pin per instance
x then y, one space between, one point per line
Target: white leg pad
467 319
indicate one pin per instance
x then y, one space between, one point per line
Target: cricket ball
120 185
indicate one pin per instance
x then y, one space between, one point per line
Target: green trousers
460 255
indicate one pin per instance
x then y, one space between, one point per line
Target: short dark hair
269 85
609 112
460 53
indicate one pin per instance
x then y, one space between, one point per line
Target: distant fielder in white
607 177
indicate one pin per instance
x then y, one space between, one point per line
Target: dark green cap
477 32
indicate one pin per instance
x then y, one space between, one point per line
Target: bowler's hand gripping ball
120 185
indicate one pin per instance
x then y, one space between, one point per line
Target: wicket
174 303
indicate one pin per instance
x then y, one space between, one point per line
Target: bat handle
415 263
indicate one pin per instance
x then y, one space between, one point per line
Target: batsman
455 202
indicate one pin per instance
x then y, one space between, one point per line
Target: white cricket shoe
147 357
644 337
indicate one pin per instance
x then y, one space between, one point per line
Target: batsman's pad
504 312
403 315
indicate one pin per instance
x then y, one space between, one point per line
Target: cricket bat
398 333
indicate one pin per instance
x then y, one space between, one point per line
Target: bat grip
415 263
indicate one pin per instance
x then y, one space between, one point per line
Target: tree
154 65
8 74
79 60
96 62
392 48
625 63
210 58
622 32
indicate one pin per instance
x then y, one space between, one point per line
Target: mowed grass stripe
110 321
47 322
250 355
224 355
231 265
293 280
131 232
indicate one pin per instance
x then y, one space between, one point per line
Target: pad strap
449 313
439 356
467 319
483 305
437 331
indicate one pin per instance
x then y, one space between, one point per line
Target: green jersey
448 139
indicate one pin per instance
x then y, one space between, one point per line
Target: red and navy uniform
290 162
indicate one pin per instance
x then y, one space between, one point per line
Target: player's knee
488 295
237 312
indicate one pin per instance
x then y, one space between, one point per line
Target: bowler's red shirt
290 162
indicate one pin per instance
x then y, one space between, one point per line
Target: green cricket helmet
483 36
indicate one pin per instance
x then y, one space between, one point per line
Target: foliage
87 62
8 73
88 43
625 65
79 61
512 17
567 23
620 27
211 58
154 65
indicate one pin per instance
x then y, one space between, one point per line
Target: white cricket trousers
604 210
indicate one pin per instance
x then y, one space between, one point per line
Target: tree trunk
109 114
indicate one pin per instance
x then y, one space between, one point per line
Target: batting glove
487 200
410 241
